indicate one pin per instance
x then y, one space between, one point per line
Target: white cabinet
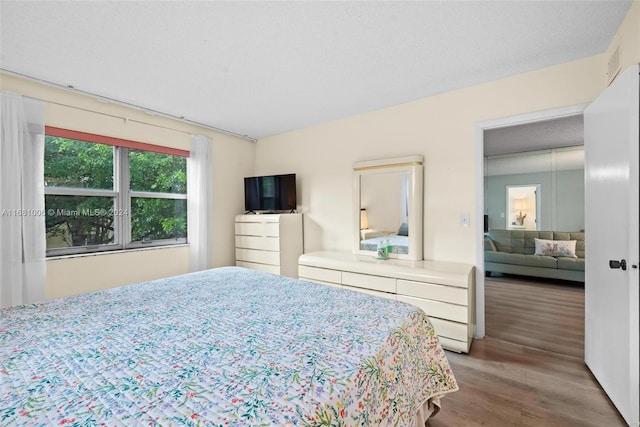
445 291
269 242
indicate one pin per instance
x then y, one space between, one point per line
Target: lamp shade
363 219
520 204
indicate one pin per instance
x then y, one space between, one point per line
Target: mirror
557 201
387 206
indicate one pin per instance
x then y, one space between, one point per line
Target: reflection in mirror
558 175
387 204
523 207
384 215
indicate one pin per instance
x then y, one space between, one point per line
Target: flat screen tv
270 193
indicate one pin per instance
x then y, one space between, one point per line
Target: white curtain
22 221
199 202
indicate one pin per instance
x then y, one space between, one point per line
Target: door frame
538 116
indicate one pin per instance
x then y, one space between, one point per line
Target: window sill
115 252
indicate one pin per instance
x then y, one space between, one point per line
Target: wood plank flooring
529 370
538 313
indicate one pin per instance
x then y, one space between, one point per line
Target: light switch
501 214
464 220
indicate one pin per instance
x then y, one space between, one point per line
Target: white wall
627 38
442 129
232 159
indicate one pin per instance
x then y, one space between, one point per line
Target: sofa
513 252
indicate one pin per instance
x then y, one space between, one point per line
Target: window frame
121 192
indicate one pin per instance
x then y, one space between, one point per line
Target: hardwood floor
539 313
529 370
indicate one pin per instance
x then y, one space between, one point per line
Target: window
104 193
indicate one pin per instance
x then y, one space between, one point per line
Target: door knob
618 264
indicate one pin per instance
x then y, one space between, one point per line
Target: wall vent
613 67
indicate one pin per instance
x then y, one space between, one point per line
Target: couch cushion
571 263
518 241
572 235
489 245
520 259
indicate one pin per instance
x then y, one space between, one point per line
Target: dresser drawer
262 257
258 218
370 292
320 274
258 229
274 269
442 310
258 242
455 345
454 330
432 292
376 283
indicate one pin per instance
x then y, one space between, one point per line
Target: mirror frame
413 166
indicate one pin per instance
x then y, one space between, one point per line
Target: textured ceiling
564 132
262 68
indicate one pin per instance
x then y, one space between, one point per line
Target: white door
611 287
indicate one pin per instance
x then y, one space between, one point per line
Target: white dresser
445 291
269 242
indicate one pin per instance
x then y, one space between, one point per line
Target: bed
228 346
399 243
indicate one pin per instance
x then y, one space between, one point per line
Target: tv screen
270 193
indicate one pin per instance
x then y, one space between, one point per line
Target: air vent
613 67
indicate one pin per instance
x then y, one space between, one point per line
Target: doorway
481 182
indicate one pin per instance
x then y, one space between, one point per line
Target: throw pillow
566 248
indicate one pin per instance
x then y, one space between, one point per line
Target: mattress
227 346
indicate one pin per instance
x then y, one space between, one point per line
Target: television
270 193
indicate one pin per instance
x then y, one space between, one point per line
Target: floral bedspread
228 346
399 244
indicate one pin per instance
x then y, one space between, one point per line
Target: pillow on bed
404 229
566 248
